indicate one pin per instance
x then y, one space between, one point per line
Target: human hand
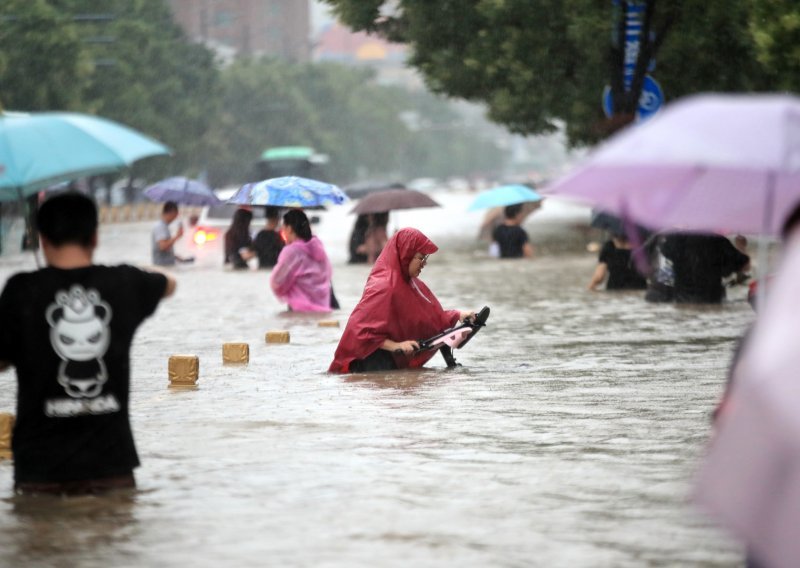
407 347
463 316
179 232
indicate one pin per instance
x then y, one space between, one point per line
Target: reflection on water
567 438
76 531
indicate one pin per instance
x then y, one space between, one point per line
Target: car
206 237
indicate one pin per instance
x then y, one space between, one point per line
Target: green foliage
154 80
775 26
340 112
128 61
542 63
42 61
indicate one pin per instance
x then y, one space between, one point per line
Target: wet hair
791 222
68 218
169 207
241 221
272 212
380 219
513 210
297 220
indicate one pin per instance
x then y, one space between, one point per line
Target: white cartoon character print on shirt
80 335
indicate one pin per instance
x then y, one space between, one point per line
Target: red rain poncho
394 306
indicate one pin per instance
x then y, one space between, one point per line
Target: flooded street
568 438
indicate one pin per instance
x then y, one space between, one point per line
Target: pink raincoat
302 276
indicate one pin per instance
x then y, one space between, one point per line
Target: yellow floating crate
6 429
235 353
184 370
277 337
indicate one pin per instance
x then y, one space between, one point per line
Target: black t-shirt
68 333
700 262
268 245
622 275
511 240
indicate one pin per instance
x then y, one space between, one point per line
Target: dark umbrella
362 189
182 190
391 199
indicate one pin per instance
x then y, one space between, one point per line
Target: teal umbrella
504 195
40 149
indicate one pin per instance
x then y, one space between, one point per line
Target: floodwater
568 437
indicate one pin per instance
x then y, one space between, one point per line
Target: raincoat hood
400 250
312 248
394 306
302 276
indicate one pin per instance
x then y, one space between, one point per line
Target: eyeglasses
423 258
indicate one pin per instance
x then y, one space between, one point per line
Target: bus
300 161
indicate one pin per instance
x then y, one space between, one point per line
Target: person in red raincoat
396 311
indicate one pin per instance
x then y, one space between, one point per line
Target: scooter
456 337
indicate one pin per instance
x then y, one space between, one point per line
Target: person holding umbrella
302 276
396 311
615 267
512 240
163 241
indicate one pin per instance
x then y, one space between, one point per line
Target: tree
121 59
150 77
43 65
775 27
538 64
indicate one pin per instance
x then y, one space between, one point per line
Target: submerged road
568 438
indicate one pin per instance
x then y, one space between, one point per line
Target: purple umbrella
729 163
182 190
708 162
750 479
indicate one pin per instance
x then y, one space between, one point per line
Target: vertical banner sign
652 97
633 33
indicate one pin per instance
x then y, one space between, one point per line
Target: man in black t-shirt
511 238
268 242
67 329
700 262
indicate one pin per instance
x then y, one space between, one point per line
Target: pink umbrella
750 479
728 163
707 162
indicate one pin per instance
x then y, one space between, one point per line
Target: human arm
169 242
169 290
527 250
285 272
600 273
9 303
408 347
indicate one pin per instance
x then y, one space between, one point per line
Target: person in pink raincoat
302 276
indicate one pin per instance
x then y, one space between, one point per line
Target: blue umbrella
38 150
182 190
504 195
288 191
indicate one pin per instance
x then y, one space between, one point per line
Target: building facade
249 28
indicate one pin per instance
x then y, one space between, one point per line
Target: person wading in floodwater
67 329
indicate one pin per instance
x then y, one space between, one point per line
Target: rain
623 216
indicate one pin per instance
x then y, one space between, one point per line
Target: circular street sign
651 100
